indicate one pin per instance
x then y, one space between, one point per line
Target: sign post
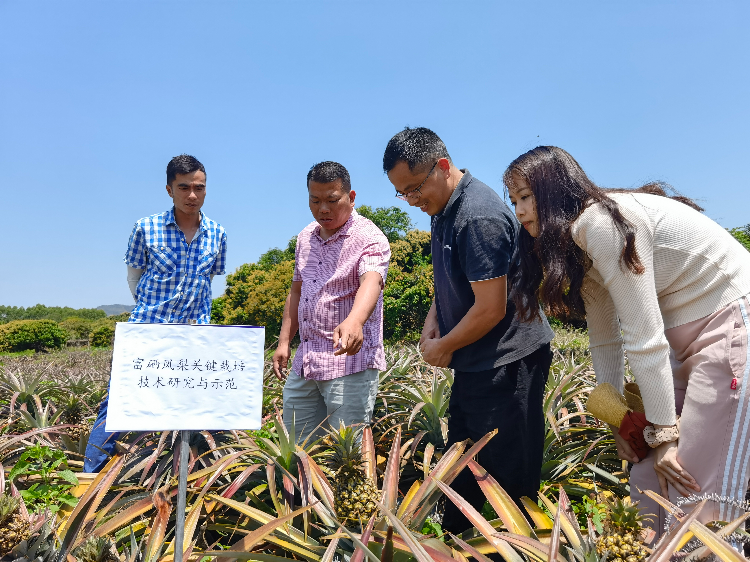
185 377
179 530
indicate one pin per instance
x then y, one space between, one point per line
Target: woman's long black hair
551 266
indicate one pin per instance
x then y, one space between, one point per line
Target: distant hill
112 309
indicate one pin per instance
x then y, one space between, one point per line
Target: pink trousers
711 372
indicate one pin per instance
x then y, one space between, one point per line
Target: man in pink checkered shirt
336 303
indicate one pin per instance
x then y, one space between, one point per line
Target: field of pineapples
359 493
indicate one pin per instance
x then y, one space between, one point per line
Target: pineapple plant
355 494
96 549
14 527
74 413
621 538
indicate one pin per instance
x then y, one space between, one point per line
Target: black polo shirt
473 239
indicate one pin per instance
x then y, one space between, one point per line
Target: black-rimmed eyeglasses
417 191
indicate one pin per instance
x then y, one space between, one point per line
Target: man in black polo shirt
501 364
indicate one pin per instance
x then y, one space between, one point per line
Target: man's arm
289 327
136 258
490 298
348 336
134 275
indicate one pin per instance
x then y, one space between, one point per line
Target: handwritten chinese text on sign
179 376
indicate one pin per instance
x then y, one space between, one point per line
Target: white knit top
693 268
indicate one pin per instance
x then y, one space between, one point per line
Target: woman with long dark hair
654 276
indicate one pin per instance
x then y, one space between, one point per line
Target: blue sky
96 97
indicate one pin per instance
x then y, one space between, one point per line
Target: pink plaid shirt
330 271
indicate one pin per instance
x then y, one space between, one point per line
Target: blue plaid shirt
176 286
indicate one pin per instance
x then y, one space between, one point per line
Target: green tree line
41 312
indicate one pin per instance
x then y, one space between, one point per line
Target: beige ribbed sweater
693 268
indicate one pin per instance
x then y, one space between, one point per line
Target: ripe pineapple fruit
355 493
622 533
14 528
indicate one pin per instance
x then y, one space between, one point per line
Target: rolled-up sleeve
135 256
375 257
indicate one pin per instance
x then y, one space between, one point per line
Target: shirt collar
343 231
169 219
462 183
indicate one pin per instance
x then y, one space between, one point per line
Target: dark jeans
509 398
101 445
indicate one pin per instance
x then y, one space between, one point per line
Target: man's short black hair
183 164
328 172
418 147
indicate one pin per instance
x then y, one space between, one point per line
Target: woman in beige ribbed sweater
658 278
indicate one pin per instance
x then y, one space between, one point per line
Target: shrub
394 222
407 299
275 256
217 310
256 292
742 235
124 317
38 335
409 289
256 297
102 336
77 328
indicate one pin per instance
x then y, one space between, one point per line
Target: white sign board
181 376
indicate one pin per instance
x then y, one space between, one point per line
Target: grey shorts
349 400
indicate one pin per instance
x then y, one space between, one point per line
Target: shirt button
320 263
305 339
305 299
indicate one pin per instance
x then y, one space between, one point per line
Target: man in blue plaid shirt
171 259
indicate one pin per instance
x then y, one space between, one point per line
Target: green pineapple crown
73 401
624 516
8 506
73 404
346 453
